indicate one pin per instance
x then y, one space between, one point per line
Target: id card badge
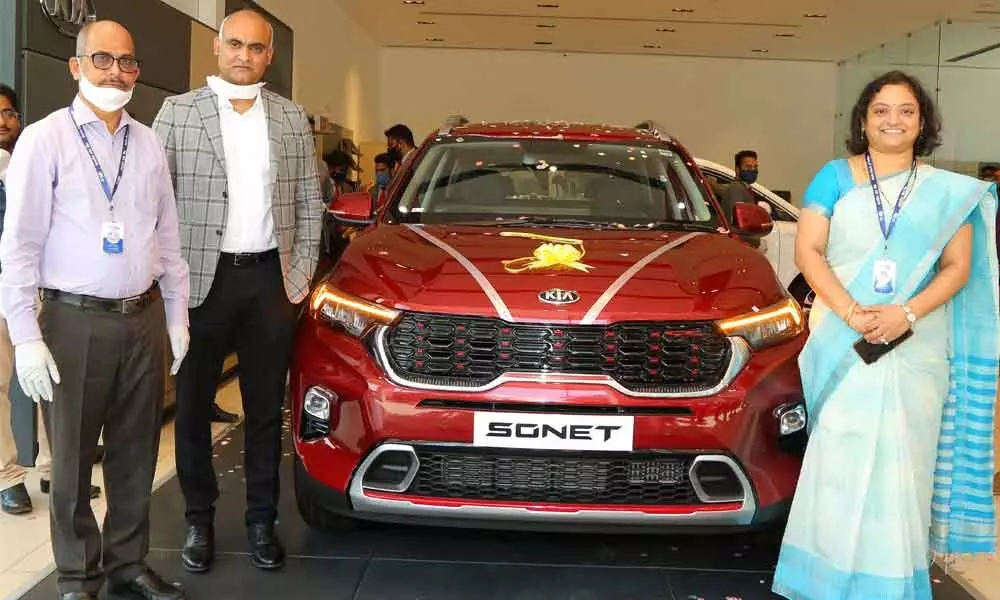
112 237
885 277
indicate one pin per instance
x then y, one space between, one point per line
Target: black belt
246 259
122 306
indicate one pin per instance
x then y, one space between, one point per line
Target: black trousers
112 369
246 309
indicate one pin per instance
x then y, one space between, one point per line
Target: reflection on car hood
621 275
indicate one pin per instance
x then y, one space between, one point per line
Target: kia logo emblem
69 16
557 296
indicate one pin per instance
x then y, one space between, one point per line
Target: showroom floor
407 563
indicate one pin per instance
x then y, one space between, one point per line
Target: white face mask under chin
4 161
232 91
108 99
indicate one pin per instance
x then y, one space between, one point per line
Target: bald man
248 193
91 228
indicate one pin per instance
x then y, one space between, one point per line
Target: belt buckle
238 259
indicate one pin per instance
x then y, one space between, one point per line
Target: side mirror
354 208
750 220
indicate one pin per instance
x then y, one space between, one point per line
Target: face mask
108 99
340 177
231 91
748 176
381 179
4 161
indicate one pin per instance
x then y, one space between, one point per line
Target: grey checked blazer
189 127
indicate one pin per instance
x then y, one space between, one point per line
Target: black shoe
266 551
199 548
77 596
45 485
221 416
15 500
147 585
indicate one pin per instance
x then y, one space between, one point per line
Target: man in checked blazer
249 204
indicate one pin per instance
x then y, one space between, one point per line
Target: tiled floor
26 554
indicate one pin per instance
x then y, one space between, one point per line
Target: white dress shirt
249 221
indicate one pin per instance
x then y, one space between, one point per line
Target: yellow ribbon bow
554 252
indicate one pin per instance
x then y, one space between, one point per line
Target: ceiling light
683 10
540 5
652 46
413 1
760 50
666 30
543 43
784 35
814 16
426 23
433 39
545 26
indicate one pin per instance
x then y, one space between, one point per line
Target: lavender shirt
55 209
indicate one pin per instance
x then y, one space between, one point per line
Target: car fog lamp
317 403
792 420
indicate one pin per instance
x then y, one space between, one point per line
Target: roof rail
451 123
656 129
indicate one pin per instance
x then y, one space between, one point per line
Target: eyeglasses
104 61
9 113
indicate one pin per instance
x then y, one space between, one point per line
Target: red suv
549 326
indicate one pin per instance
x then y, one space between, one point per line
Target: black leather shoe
199 548
266 551
45 485
15 500
148 586
221 416
77 596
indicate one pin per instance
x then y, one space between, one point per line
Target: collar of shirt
84 115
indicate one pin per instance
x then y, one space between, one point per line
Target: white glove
36 370
179 341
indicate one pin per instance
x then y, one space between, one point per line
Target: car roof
704 163
558 130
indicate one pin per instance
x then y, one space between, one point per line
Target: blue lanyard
109 192
877 192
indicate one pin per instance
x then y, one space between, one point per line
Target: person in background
399 143
383 175
900 370
14 498
338 164
91 227
745 163
243 157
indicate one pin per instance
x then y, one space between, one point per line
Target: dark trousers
246 308
112 369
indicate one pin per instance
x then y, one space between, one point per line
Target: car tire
314 515
802 292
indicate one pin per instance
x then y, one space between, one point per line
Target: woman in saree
902 256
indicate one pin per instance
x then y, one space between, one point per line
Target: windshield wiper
682 226
557 221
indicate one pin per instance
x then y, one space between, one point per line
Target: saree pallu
899 462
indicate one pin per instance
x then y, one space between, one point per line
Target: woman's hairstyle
930 130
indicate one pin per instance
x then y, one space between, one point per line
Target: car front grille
643 357
635 479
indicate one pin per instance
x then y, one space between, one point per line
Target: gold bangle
850 313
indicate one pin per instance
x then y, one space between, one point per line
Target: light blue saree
899 463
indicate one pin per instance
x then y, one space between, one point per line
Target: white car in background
779 245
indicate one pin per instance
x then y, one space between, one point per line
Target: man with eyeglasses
244 168
91 228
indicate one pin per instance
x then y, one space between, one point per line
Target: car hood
623 275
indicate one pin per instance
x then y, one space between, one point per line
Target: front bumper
372 415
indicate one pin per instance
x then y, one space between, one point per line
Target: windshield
553 181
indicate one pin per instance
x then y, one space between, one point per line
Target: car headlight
354 315
766 327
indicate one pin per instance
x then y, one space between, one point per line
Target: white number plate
553 432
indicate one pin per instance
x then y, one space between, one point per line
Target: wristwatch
910 315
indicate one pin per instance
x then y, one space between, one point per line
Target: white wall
784 110
336 64
209 12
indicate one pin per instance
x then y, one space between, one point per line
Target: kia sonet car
549 326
